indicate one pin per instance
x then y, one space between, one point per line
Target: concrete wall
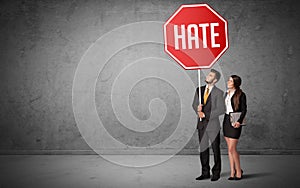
42 43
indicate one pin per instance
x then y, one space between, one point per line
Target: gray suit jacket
214 107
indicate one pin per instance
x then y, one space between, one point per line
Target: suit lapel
202 93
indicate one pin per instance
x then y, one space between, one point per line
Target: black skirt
230 131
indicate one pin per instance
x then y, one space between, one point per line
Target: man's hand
200 108
201 115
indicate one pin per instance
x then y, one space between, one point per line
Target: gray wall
42 43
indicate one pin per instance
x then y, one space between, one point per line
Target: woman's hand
237 125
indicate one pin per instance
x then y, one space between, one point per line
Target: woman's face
230 84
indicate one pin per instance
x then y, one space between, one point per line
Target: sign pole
199 84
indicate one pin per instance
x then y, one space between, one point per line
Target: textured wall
42 43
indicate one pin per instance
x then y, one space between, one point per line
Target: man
212 106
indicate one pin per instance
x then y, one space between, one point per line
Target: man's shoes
215 177
203 177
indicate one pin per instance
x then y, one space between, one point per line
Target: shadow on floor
249 176
256 175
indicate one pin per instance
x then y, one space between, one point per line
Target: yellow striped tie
206 95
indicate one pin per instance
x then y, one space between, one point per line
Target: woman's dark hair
237 81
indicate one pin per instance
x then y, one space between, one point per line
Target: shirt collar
209 87
231 92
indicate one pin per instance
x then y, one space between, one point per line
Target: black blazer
214 107
242 106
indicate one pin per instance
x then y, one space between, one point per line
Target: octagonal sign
196 36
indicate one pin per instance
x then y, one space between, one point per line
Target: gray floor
180 171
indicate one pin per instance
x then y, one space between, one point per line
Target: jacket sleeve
196 102
218 106
243 107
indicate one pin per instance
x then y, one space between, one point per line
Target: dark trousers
214 137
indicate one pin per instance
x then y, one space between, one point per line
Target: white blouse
228 102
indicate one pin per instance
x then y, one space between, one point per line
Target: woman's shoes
236 178
232 178
239 178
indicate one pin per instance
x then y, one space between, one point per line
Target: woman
235 101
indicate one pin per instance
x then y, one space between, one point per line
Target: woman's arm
243 107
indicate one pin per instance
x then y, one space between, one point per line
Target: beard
208 82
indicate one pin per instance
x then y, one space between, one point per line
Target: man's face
211 78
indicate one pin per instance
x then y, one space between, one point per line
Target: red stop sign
195 36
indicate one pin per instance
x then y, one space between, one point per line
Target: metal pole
199 84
